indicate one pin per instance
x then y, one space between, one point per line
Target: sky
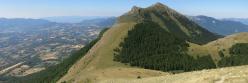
49 8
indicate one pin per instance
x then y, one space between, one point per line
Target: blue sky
47 8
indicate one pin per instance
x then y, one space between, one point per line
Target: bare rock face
134 10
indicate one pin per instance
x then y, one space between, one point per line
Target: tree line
238 56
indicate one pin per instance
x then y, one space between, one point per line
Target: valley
41 45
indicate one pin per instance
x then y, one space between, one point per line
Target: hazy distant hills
222 27
106 22
243 20
20 24
72 19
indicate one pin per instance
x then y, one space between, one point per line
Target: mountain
143 43
103 22
157 22
20 24
170 20
222 27
242 20
71 19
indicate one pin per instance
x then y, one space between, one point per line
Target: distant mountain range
243 20
105 22
222 27
72 19
226 26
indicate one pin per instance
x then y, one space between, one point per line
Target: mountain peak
158 4
135 9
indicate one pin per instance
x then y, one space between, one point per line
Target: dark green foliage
221 54
204 62
54 73
239 49
239 56
150 46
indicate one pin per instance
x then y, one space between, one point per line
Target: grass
213 48
223 75
101 55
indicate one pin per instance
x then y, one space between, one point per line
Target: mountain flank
98 62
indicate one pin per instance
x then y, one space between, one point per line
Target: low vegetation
238 56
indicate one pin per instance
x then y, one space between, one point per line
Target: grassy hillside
98 62
213 48
222 75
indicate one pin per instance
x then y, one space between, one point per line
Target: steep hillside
99 61
222 27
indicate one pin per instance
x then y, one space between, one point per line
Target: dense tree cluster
54 73
238 56
150 46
